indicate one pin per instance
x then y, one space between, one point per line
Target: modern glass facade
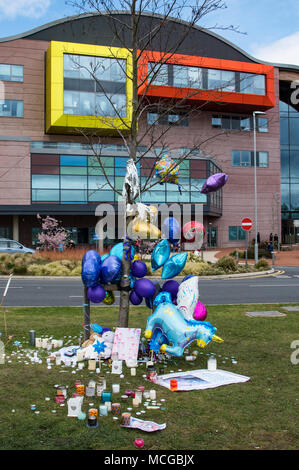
289 125
94 86
207 79
60 178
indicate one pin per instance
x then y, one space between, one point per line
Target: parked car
11 246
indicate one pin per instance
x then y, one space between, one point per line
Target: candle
81 365
92 364
106 396
103 410
135 402
108 404
115 388
115 409
32 337
38 342
138 395
80 355
152 394
133 371
212 364
173 385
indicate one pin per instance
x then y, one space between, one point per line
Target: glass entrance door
212 237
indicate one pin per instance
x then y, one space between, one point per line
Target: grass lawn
259 414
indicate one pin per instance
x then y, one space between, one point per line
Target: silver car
11 246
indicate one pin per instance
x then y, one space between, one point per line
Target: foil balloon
145 230
188 277
160 254
200 312
176 331
111 268
174 265
162 298
193 228
171 229
117 250
172 287
96 294
109 299
214 182
135 299
103 257
144 288
187 298
91 268
139 269
167 170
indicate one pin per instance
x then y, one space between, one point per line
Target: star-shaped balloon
99 347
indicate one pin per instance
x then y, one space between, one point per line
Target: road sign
246 224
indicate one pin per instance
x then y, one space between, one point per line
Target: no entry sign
246 224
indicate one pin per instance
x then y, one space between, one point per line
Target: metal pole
246 251
86 308
256 255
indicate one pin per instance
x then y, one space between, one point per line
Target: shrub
262 264
227 263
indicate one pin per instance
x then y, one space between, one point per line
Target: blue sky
271 26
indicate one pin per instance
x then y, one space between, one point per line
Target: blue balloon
96 328
171 229
162 298
91 268
150 300
188 277
175 331
117 250
174 265
135 299
103 257
160 254
111 269
96 294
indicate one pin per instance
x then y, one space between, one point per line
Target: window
246 158
168 119
11 73
236 233
10 108
94 86
239 123
223 80
188 77
5 232
252 83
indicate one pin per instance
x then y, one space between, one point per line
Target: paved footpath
284 258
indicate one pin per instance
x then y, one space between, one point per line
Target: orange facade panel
264 101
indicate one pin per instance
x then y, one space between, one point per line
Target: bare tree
126 21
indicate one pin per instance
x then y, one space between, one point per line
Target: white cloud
283 51
29 8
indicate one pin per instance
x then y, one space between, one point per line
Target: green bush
227 263
262 264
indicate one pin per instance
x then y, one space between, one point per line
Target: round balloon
138 269
174 265
160 254
171 229
111 268
135 299
144 288
193 228
200 312
150 300
188 277
117 250
172 287
109 299
91 268
96 294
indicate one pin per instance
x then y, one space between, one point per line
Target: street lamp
256 248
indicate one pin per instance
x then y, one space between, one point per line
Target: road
64 292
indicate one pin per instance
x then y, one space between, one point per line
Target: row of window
94 86
206 79
246 158
11 73
239 123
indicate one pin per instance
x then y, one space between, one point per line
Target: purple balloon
111 268
172 287
200 312
135 299
139 269
105 329
214 182
96 294
144 288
